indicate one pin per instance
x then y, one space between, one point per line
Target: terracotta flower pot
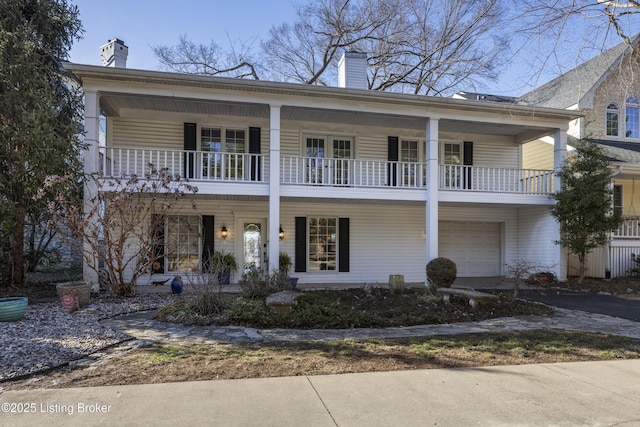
80 290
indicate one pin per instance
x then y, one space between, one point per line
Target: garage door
474 247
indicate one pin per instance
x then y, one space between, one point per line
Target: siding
537 233
595 263
384 240
537 155
138 133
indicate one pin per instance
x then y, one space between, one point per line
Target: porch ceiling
112 104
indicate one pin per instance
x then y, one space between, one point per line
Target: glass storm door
253 246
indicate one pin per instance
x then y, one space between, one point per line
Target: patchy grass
172 363
353 308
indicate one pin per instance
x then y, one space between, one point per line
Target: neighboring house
606 90
354 184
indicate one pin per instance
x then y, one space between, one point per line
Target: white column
431 217
559 157
274 187
91 159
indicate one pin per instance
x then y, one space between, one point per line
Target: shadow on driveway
593 303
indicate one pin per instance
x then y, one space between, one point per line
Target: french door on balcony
452 159
216 164
331 167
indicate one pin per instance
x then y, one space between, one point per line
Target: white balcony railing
351 172
496 180
629 229
198 165
299 170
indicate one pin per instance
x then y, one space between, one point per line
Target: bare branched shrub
257 283
520 272
207 288
117 222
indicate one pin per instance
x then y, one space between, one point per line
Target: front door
253 244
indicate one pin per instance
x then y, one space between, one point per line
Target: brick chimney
352 70
114 54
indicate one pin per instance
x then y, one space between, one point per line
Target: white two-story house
355 185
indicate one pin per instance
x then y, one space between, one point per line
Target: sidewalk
568 394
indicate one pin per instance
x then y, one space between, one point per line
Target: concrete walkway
568 394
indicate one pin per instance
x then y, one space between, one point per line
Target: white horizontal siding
384 240
495 153
138 133
538 232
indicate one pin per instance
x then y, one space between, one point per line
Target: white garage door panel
474 247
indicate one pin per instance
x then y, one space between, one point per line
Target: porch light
281 233
224 232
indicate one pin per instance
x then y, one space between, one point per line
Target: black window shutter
343 245
467 160
392 156
301 244
157 224
254 148
190 144
208 240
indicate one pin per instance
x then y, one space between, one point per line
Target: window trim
328 143
632 103
335 243
612 108
168 251
223 136
442 153
618 189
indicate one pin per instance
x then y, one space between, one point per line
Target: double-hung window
632 118
182 242
224 151
613 120
322 243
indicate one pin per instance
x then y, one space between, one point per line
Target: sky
142 24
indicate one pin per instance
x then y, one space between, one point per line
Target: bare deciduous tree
556 15
119 226
416 46
208 60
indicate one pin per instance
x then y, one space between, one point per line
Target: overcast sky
141 24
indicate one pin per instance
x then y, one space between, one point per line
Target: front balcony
212 167
118 162
496 180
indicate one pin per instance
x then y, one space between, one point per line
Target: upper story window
613 120
632 118
234 141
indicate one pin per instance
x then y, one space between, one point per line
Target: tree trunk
581 258
17 251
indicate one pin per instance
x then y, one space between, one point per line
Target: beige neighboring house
606 90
